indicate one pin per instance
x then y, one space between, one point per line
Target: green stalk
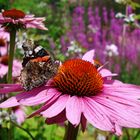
9 75
11 55
25 130
71 132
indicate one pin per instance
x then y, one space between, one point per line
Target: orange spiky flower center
4 60
14 14
2 42
78 77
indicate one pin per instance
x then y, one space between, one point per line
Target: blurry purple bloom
91 33
129 10
79 10
105 15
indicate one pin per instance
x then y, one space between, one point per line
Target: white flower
122 1
127 19
111 50
101 137
73 48
13 117
130 18
120 15
4 116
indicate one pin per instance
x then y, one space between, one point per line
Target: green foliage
134 4
4 4
131 75
26 6
39 130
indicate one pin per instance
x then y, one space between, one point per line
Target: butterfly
38 66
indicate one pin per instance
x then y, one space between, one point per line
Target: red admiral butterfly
38 66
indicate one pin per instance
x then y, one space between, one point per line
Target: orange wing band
41 59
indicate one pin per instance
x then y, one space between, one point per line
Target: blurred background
111 27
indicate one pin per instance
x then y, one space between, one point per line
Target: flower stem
23 130
11 55
71 132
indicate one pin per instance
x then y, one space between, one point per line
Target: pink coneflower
79 93
17 66
4 38
4 35
18 19
3 47
19 112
